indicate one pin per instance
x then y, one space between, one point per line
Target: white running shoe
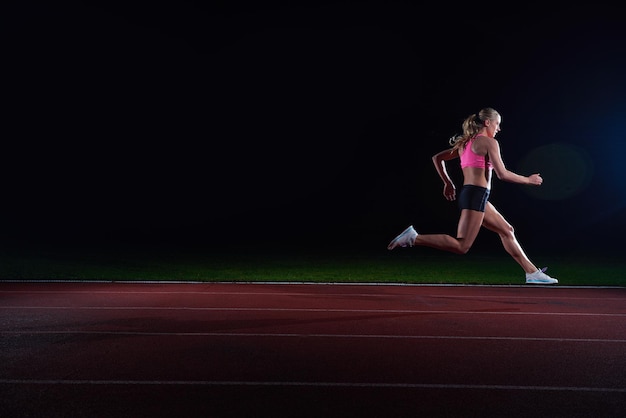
539 277
405 239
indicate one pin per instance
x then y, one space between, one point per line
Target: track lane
423 342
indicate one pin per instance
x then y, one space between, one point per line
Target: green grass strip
399 266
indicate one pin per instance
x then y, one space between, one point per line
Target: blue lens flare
567 170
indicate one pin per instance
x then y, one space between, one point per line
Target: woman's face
493 126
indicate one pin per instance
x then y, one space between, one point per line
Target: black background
301 124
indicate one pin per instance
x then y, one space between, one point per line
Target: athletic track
310 350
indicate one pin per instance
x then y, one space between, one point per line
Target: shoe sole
541 282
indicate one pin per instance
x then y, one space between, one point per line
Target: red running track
309 350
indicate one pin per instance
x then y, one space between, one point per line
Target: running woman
479 153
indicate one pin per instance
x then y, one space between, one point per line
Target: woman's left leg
495 222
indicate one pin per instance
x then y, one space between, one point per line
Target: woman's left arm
504 174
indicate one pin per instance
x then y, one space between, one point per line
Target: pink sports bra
471 159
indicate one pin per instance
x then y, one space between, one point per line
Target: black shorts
473 197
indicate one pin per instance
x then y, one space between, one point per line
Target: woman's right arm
439 160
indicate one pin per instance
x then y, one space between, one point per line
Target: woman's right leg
469 225
494 221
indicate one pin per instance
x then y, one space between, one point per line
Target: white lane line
310 384
294 335
303 283
307 294
312 310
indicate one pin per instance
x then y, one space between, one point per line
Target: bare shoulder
485 139
483 144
